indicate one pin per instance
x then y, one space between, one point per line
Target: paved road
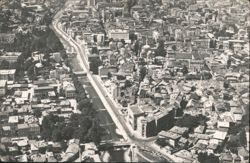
106 122
101 93
82 59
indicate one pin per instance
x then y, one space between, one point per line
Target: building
170 137
28 130
179 130
3 87
196 65
44 92
115 91
94 37
118 34
91 2
134 112
13 121
11 57
247 136
57 56
69 90
6 131
243 153
45 88
7 38
147 120
202 43
103 71
8 75
223 125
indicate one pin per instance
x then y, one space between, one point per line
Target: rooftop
178 130
7 72
136 109
3 83
13 119
169 135
221 135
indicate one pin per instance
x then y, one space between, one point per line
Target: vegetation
81 126
207 158
84 126
94 64
180 110
184 70
80 92
237 140
4 65
191 122
142 73
136 47
160 51
37 113
35 40
129 4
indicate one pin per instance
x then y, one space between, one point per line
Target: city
124 81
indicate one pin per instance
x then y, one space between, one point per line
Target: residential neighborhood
124 80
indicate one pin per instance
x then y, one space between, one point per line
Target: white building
118 34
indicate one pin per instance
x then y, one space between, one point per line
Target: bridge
80 73
114 144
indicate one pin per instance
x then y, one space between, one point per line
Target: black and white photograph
124 81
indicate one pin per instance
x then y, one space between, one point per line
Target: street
101 93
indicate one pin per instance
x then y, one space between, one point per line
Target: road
101 92
105 120
82 59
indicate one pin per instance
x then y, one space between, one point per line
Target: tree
67 133
185 70
94 133
245 118
128 84
161 142
74 117
94 64
15 5
190 121
174 47
142 62
109 75
233 143
207 158
46 134
37 113
226 84
30 72
137 47
142 73
84 105
179 111
56 135
129 4
243 138
5 65
48 126
229 62
160 51
132 37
